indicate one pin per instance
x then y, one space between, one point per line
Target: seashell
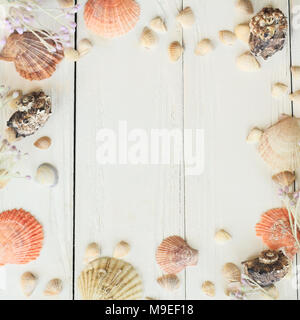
47 175
121 249
296 72
269 267
92 252
43 143
254 135
34 110
268 32
231 272
186 17
4 178
270 293
72 54
158 25
279 145
15 98
275 230
28 283
279 90
148 39
247 62
295 97
32 59
110 279
84 47
284 178
21 237
208 288
53 288
204 47
227 37
174 254
66 3
111 18
10 135
169 282
245 6
175 51
222 236
242 32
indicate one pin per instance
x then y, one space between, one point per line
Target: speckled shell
21 237
174 254
279 145
110 279
32 59
111 18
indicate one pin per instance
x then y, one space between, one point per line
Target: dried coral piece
247 62
295 96
222 236
28 283
227 37
271 266
32 59
204 47
245 6
186 17
242 32
47 175
53 288
157 24
268 30
43 143
92 252
296 72
84 47
231 272
21 237
284 178
254 136
110 279
175 51
208 288
111 18
174 254
148 38
121 250
275 230
169 282
279 89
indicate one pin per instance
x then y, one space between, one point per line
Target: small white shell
208 288
84 47
279 90
53 287
66 3
28 283
231 272
254 136
247 62
222 236
175 51
148 38
245 6
71 54
47 175
92 252
296 72
43 143
295 97
169 282
242 32
158 25
121 250
227 37
204 47
186 17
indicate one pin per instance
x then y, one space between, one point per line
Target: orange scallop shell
33 61
275 230
111 18
174 254
21 237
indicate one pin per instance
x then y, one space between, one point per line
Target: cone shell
174 254
279 145
33 61
169 282
110 279
275 230
21 237
111 18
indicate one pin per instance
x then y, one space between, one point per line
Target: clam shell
111 18
222 236
279 145
231 272
285 178
254 135
43 143
21 237
32 59
204 47
53 288
28 283
242 32
121 249
169 282
175 51
208 288
245 6
110 279
296 71
227 37
158 25
92 252
279 89
247 62
186 17
148 38
174 254
47 175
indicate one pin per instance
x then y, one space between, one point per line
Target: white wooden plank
235 187
136 203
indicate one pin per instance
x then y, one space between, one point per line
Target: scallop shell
174 254
285 178
186 17
110 279
121 249
222 236
33 61
245 6
148 38
275 230
242 32
28 283
169 282
247 62
158 25
47 175
204 47
227 37
279 89
296 71
21 237
231 272
92 252
279 145
111 18
43 143
175 51
208 288
53 288
254 135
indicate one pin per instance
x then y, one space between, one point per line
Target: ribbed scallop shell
21 237
32 59
111 18
110 279
174 254
279 145
275 230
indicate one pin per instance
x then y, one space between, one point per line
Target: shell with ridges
121 250
284 178
92 252
254 135
66 3
53 288
84 47
158 25
231 272
43 143
72 54
47 175
169 282
295 96
208 288
175 51
222 236
148 38
28 283
186 17
204 47
296 72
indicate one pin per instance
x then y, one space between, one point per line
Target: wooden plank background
142 204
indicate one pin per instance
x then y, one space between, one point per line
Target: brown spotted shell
33 61
174 254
